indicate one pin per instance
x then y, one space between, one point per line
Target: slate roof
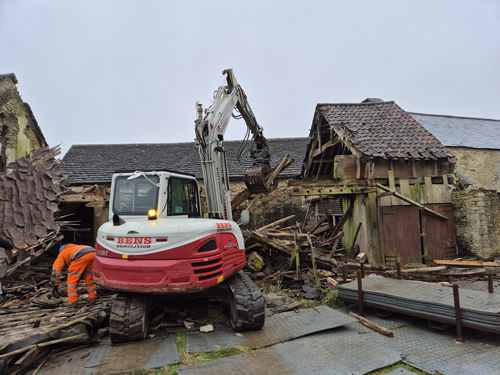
95 164
382 130
462 131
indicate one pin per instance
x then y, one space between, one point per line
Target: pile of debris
34 327
295 257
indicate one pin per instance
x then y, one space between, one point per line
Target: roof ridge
451 116
361 104
177 143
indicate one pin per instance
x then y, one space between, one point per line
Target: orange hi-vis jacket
80 262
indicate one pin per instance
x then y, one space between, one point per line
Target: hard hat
62 247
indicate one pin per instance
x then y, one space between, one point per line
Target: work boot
92 301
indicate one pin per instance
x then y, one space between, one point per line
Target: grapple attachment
256 177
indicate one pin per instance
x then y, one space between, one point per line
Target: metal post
398 267
360 294
490 282
458 314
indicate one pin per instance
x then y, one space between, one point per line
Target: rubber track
248 308
127 318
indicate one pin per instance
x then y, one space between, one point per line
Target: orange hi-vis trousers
83 266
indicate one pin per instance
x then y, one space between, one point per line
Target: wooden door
400 234
439 236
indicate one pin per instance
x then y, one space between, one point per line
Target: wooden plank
43 344
429 193
313 260
466 263
380 186
350 253
332 190
372 325
392 186
422 270
275 223
404 186
336 244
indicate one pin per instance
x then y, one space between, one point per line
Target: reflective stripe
75 274
89 272
54 271
90 285
72 293
91 291
72 286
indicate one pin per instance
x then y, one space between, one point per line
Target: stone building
92 166
19 130
392 179
476 144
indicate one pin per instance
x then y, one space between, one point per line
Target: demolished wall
477 219
19 131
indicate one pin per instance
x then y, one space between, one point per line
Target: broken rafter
275 223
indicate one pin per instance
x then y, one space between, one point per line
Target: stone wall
19 132
277 205
481 167
477 220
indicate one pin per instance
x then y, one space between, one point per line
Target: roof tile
383 129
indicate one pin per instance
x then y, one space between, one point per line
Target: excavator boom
210 132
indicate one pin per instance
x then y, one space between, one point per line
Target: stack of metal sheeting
479 309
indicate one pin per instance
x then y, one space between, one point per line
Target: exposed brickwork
481 167
477 219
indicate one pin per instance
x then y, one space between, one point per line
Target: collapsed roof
377 129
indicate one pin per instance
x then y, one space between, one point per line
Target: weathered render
19 130
396 176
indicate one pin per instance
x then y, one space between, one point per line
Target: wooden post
344 273
398 267
360 295
458 314
313 261
362 269
490 282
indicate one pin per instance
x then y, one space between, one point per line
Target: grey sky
124 71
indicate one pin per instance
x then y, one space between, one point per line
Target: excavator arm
210 131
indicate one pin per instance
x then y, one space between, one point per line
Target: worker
80 262
5 258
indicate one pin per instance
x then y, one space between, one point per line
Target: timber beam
410 201
332 190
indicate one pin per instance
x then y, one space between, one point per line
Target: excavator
158 245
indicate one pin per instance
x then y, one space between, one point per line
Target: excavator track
247 306
129 318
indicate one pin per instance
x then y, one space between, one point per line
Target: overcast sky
125 71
